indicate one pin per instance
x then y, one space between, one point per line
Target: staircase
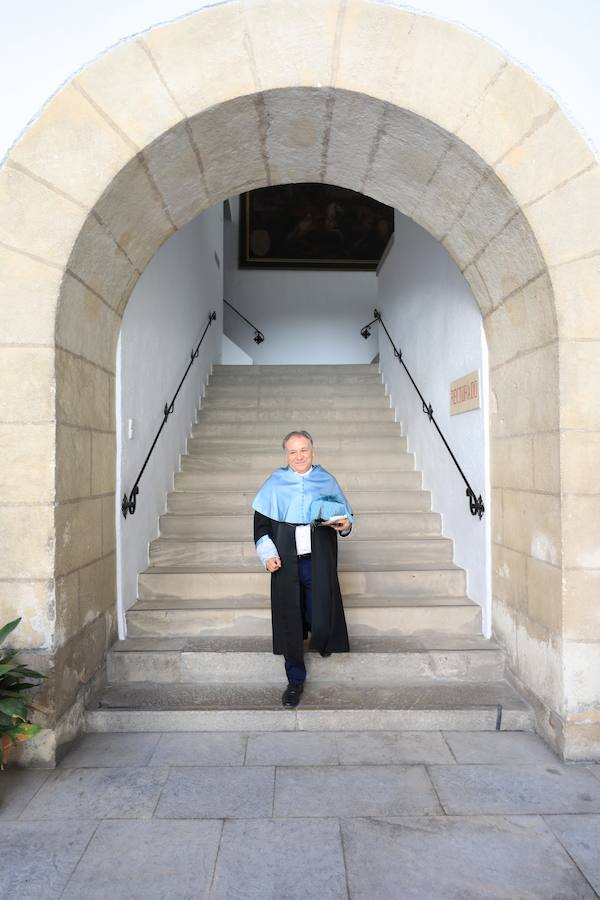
198 652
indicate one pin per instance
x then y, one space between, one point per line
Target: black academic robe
328 632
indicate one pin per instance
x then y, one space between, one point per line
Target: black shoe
325 652
291 695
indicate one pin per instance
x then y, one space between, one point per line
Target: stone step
209 445
295 416
292 389
178 553
381 617
317 402
219 379
216 660
298 369
148 706
271 431
435 584
213 460
239 502
369 526
195 479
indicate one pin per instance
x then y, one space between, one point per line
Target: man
302 560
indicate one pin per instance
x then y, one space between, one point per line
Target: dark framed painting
312 226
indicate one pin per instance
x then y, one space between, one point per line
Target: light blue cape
286 496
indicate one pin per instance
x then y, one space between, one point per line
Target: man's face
299 454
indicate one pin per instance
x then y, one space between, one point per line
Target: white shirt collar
302 474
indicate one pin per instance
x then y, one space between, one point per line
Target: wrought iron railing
258 335
475 503
128 504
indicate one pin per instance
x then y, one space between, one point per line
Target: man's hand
273 564
342 525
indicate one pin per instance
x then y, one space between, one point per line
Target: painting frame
312 226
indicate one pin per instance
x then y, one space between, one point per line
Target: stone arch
411 110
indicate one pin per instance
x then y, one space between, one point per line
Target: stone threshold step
262 601
148 706
137 660
423 643
154 695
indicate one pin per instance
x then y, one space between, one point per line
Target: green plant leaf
12 690
15 708
7 667
6 629
23 731
23 670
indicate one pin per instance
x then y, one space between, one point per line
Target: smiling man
302 560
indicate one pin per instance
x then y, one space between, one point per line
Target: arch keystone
292 43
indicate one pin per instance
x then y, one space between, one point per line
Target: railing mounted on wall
128 504
258 335
475 503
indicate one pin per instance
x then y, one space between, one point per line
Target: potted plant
14 707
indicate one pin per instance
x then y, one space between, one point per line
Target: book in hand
331 520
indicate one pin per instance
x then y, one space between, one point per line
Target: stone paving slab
147 861
292 748
219 748
212 792
483 789
17 787
111 749
443 858
392 748
499 747
271 859
38 858
580 836
354 791
115 793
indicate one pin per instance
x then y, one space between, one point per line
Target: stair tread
435 566
254 602
422 643
247 516
402 539
453 695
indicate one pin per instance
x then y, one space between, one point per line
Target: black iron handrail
258 335
128 504
475 503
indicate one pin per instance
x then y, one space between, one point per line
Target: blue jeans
295 669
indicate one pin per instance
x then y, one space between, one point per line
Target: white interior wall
42 44
435 321
306 316
163 321
232 355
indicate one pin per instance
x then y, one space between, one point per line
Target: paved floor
286 815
